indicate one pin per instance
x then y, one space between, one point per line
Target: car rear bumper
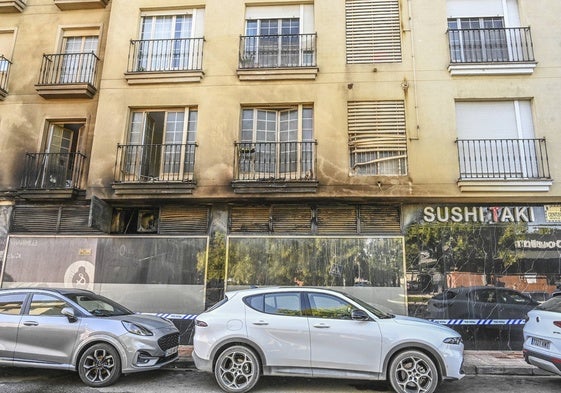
202 364
545 362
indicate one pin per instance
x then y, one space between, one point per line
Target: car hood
418 322
149 321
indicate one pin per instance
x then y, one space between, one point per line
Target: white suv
313 332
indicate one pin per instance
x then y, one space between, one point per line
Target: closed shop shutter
249 219
184 219
336 220
292 219
380 220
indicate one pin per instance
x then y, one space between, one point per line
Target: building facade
161 152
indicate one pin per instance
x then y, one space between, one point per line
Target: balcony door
274 142
475 40
165 43
78 59
497 139
161 145
56 166
273 42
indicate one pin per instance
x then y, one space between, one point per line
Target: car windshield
553 304
98 305
376 311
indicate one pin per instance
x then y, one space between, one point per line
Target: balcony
10 6
263 167
52 175
66 5
5 66
503 165
68 75
491 51
273 57
165 61
155 169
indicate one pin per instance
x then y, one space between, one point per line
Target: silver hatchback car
314 332
73 329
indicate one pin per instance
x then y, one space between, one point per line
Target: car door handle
260 323
321 326
31 323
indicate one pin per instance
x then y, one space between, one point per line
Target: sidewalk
475 362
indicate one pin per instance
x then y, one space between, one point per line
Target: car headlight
453 340
136 329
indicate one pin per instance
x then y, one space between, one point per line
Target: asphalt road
177 381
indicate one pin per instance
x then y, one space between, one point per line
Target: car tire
99 366
237 369
413 371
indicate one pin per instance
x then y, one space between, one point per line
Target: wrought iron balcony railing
155 163
179 54
275 161
69 68
278 51
49 171
491 45
5 65
503 159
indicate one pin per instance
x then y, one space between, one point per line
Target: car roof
259 290
61 291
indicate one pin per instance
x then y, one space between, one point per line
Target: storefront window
480 269
369 268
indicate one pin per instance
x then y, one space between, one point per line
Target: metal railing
503 159
278 51
69 68
5 66
275 161
491 45
47 171
155 163
179 54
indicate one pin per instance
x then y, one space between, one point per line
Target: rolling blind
373 31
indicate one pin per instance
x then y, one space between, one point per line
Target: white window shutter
377 137
373 31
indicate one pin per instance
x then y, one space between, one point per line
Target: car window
509 297
99 305
11 303
327 306
276 303
46 305
484 296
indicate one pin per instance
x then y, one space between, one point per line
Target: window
278 36
11 303
78 56
377 137
496 140
46 305
276 303
160 144
478 39
277 141
373 31
168 41
6 46
330 307
488 31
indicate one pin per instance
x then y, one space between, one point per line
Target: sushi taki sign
479 214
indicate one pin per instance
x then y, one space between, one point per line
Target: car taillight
200 323
557 323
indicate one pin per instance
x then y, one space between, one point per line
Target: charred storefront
475 268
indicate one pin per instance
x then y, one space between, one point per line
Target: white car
313 332
542 336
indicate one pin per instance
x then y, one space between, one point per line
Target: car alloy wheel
237 369
99 365
413 371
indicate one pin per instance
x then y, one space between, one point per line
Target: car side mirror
69 312
359 315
